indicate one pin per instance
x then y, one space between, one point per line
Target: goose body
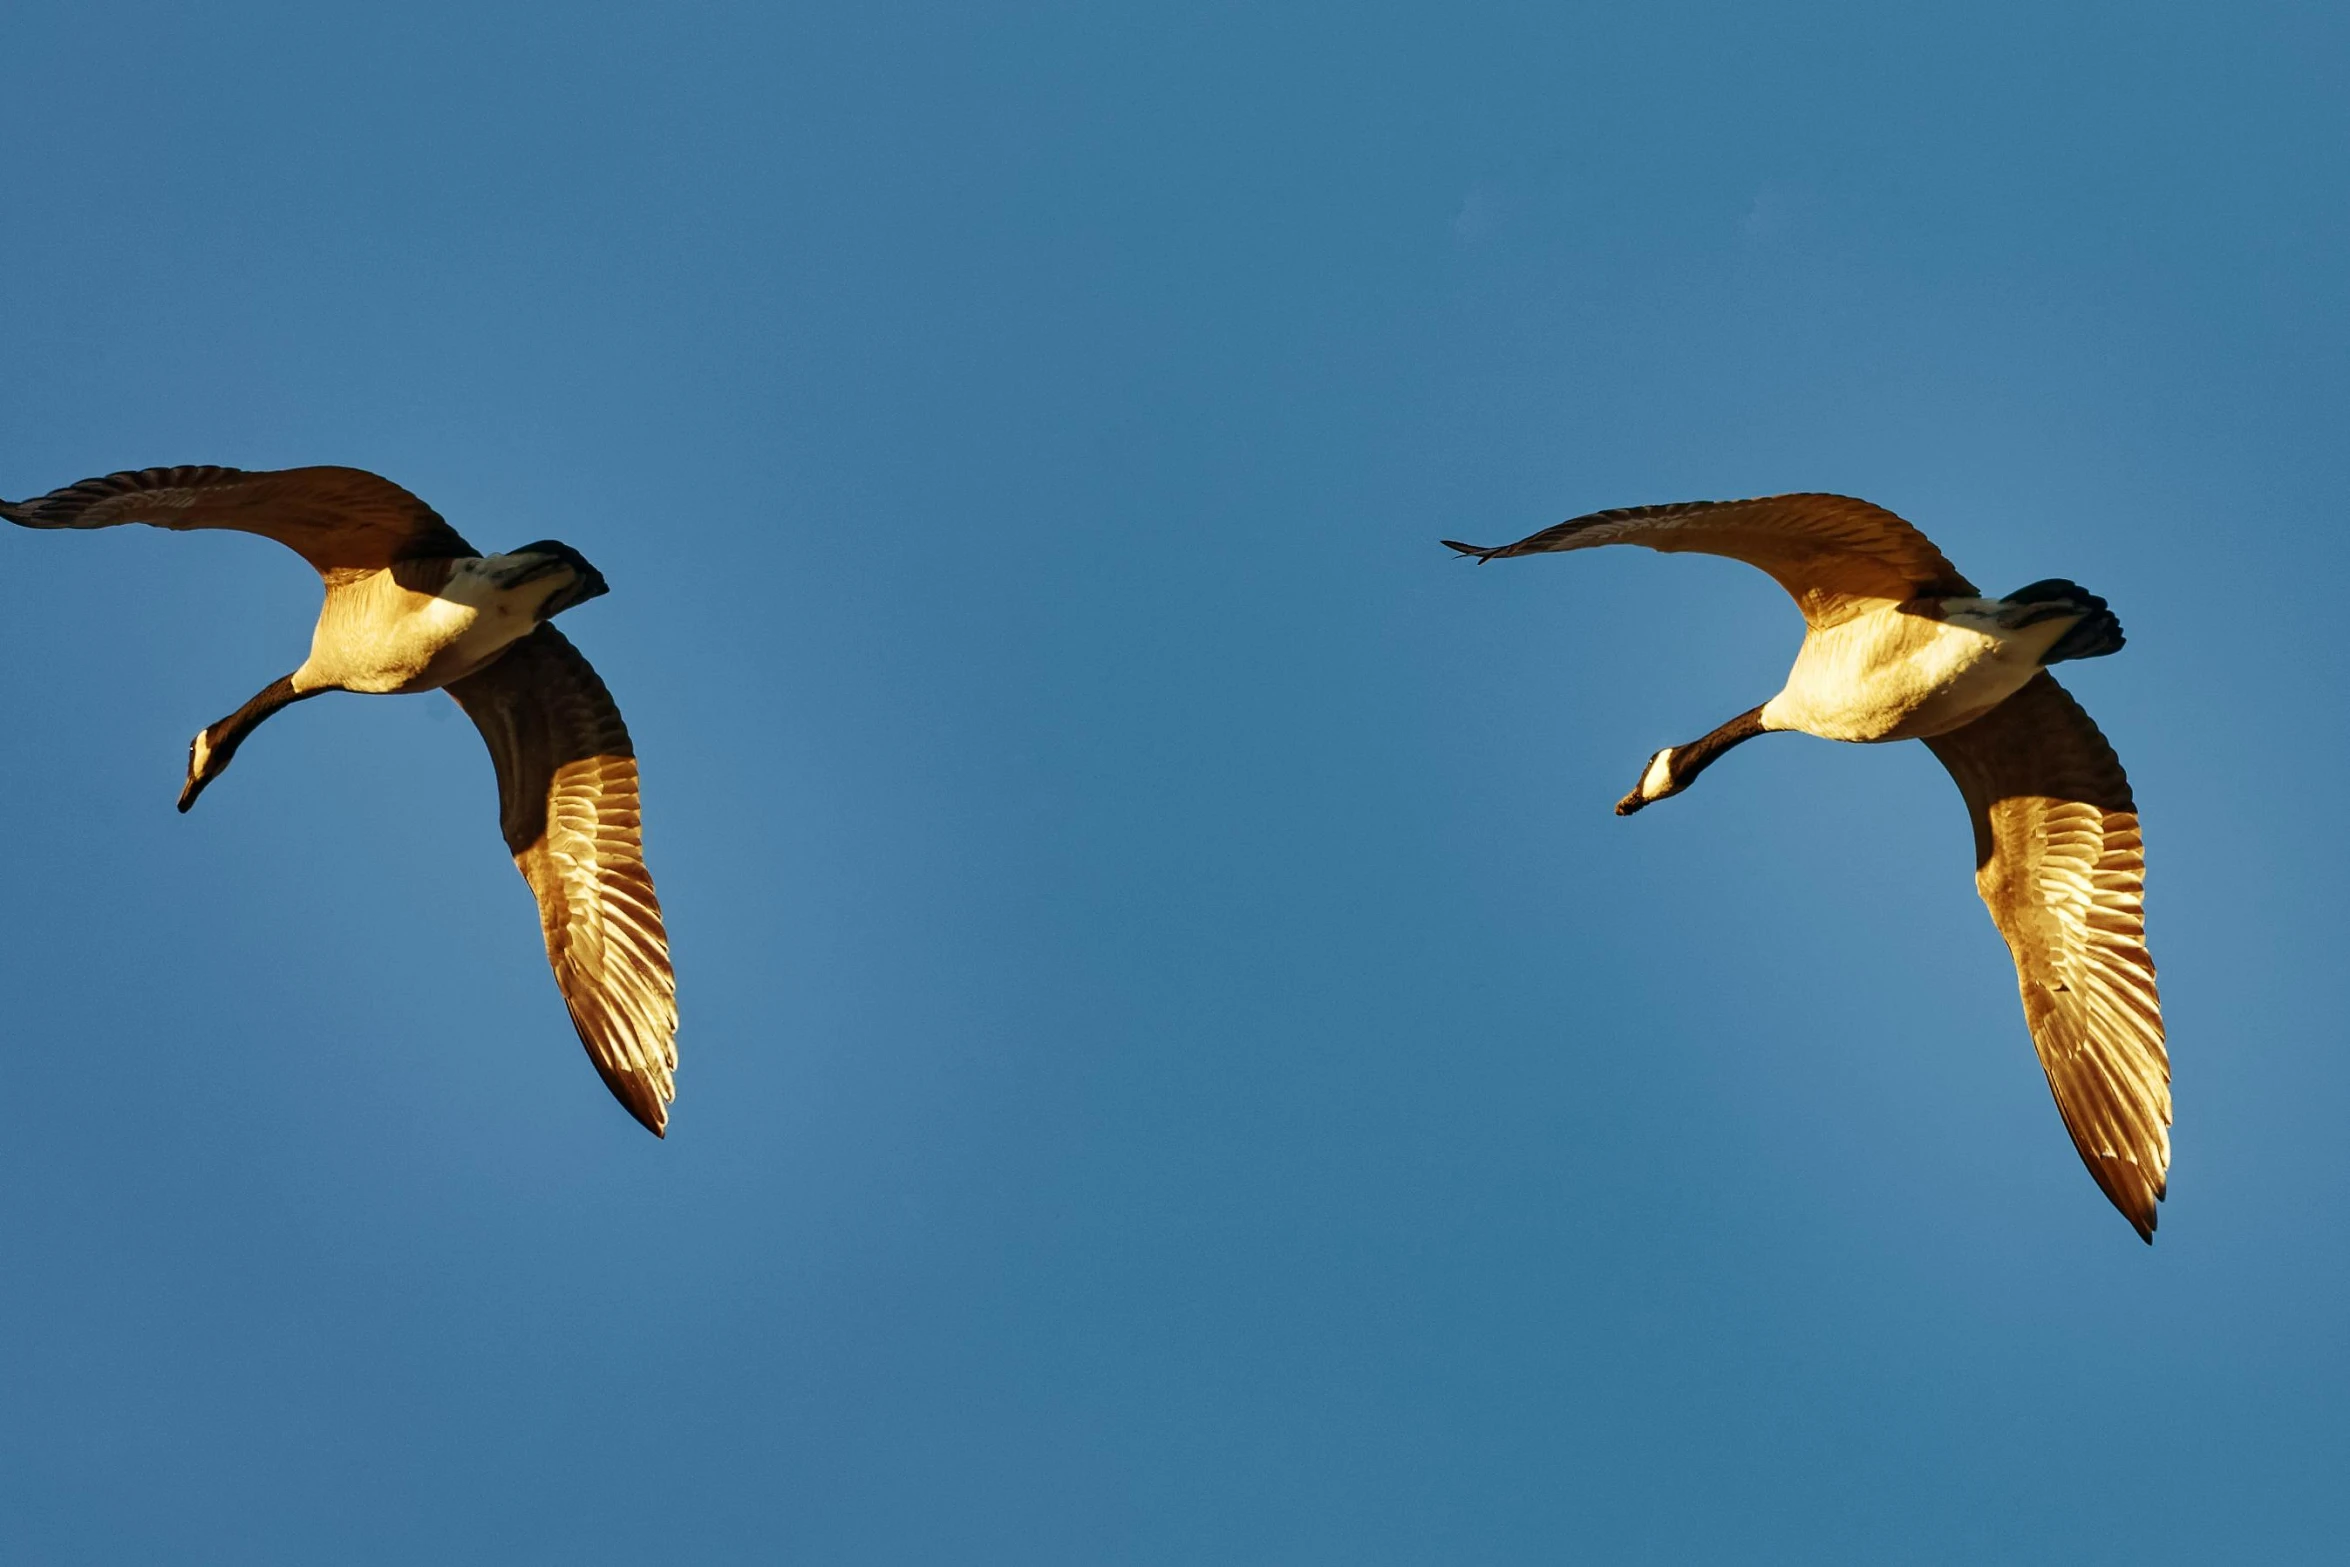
411 607
417 625
1911 670
1899 646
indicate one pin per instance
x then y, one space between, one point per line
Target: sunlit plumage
410 607
1899 645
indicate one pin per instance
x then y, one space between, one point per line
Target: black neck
230 732
1699 754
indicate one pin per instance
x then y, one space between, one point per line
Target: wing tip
2138 1202
645 1098
645 1104
1477 552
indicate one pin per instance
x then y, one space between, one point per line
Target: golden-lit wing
567 802
1838 557
338 519
2059 863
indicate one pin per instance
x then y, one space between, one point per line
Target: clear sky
1179 1063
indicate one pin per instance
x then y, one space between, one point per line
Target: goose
410 606
1899 646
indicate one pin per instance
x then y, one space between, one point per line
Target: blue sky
1179 1063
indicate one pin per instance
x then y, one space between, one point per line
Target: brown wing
567 801
1838 557
2059 862
338 519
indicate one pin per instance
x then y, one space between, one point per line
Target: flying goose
1899 646
410 606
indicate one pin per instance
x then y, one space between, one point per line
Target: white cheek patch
1659 776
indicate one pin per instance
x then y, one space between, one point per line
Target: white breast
381 635
1895 675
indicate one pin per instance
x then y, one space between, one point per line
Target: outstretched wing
1838 557
338 519
2059 862
567 802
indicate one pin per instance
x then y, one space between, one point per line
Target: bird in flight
1899 646
410 606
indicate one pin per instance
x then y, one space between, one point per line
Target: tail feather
2098 631
2055 590
588 582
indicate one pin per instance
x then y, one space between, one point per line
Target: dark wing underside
338 519
567 802
1836 556
2060 865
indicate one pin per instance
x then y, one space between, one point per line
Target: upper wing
1837 556
338 519
2059 862
567 801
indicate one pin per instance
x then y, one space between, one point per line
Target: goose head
207 760
1659 780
